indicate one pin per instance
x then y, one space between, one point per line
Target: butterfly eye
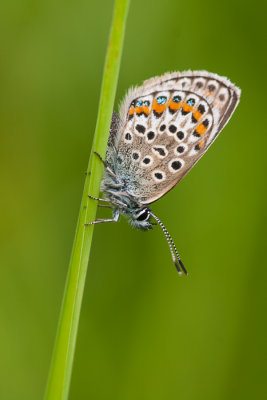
143 215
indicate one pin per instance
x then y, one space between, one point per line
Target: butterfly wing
113 139
167 124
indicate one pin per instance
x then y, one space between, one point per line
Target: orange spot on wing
200 143
201 129
187 107
174 105
140 110
197 115
159 108
146 110
131 112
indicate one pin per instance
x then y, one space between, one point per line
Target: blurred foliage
145 333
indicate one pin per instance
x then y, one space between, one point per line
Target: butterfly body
164 128
117 190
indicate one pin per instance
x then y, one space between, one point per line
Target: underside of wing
167 125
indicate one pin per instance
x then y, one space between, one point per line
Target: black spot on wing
150 135
158 175
128 136
157 115
180 135
135 156
140 128
176 165
211 88
172 128
160 150
180 149
201 108
146 160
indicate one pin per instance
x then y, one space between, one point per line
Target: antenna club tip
183 267
180 272
177 267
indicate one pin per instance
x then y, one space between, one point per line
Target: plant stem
62 360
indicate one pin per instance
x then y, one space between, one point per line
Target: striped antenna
174 253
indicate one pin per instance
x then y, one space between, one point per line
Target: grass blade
63 355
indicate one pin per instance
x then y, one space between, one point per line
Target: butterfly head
139 219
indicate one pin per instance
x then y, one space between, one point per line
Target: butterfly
164 127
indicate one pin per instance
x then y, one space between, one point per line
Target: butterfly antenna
171 246
177 255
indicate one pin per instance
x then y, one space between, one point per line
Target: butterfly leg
100 158
115 203
99 221
106 166
96 198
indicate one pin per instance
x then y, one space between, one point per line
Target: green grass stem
62 360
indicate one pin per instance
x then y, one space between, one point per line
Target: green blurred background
145 333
